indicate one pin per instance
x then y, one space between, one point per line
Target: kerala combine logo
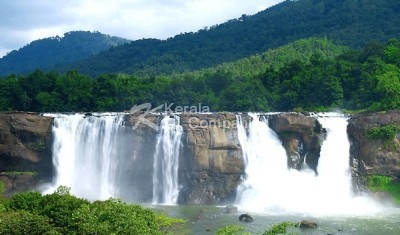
145 109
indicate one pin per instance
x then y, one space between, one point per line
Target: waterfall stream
269 186
98 158
166 161
85 154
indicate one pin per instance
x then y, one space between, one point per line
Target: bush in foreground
62 213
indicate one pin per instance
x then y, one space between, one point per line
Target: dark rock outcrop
18 181
246 218
25 150
373 156
301 136
307 224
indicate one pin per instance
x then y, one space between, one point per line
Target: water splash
270 187
85 154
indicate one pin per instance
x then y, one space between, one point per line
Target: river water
207 220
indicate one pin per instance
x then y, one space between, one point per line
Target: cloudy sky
22 21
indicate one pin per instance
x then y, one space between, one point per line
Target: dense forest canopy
309 74
346 22
228 67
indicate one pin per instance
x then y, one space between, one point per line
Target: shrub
378 182
28 201
387 132
23 222
280 228
231 230
384 184
60 208
62 213
115 217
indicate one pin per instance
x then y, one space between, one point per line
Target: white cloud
22 21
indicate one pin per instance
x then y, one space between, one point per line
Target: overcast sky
22 21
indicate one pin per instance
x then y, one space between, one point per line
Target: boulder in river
308 224
246 218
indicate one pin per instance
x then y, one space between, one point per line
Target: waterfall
270 187
166 161
98 157
85 154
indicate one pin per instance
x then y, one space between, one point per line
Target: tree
49 102
389 87
245 96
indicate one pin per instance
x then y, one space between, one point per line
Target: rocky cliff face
301 136
370 156
135 176
211 163
25 150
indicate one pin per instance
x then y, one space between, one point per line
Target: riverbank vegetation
63 213
380 183
310 74
275 229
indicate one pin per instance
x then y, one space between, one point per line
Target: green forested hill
309 74
275 59
348 22
50 52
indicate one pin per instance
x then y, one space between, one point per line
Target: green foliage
231 230
378 182
2 187
28 201
113 217
388 87
384 184
309 74
386 133
167 224
62 213
60 208
275 229
23 222
38 146
349 23
280 228
3 198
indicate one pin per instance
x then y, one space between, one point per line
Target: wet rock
373 156
231 209
246 218
301 137
25 146
212 172
18 181
308 224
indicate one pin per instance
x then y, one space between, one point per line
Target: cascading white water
270 187
85 154
166 162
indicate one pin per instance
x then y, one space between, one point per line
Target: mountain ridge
346 22
54 51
